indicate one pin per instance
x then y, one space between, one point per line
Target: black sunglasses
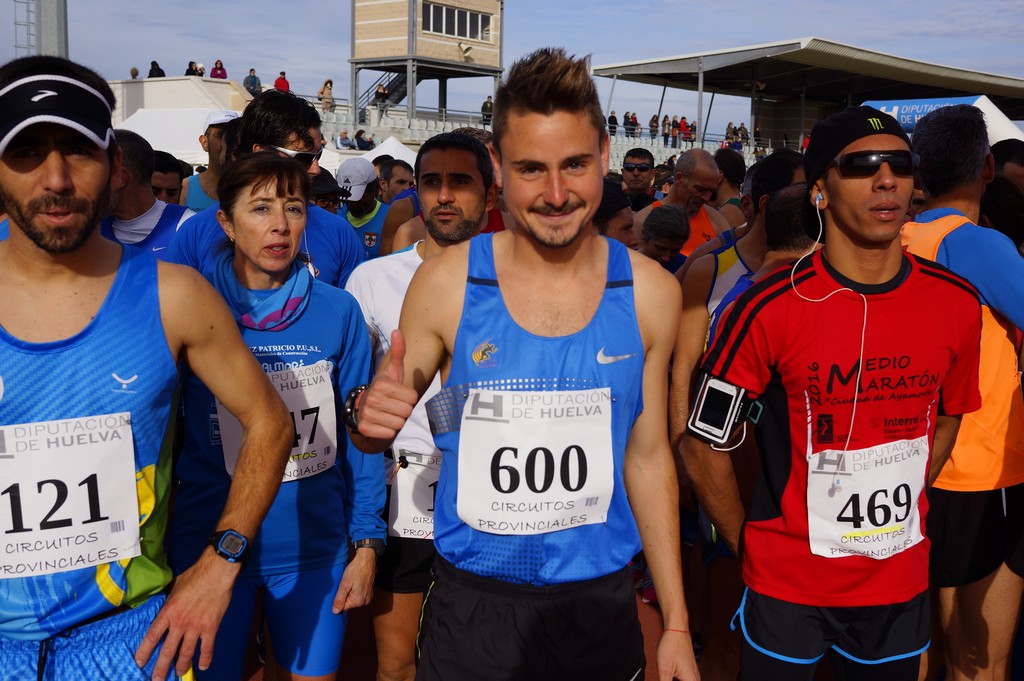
306 158
642 167
867 163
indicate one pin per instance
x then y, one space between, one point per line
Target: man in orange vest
695 180
977 520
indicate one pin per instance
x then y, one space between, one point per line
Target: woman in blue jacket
311 340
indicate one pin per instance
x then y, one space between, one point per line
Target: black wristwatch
373 543
230 545
350 411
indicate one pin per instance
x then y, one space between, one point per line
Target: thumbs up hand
388 402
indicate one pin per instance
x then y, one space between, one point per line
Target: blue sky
310 39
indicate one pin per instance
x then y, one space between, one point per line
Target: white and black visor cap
54 99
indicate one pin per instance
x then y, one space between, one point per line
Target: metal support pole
353 98
442 97
52 28
700 101
410 85
803 115
711 106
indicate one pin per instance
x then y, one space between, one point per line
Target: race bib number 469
535 462
67 495
863 502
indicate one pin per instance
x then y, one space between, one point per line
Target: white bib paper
535 462
413 490
308 392
68 497
863 502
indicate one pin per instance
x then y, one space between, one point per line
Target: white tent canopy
393 147
175 131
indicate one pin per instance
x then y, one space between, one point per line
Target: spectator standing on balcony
218 70
634 124
326 96
613 124
281 83
252 83
487 110
155 71
380 97
652 125
191 70
666 129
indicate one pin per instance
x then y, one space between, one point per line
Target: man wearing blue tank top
91 333
552 344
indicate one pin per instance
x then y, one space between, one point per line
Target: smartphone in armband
717 410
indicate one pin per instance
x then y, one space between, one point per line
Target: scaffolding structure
24 28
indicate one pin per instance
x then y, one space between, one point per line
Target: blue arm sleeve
352 253
364 473
185 248
990 261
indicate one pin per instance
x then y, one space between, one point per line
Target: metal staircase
396 85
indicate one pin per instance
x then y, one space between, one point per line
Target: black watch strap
350 410
374 543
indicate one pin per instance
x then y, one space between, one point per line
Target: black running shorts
478 628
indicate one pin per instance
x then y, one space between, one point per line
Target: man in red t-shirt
858 383
281 83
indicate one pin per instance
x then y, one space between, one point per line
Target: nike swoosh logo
610 359
158 248
43 94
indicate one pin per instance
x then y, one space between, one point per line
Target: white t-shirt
380 286
135 230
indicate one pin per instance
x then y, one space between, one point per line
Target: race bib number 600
535 462
67 495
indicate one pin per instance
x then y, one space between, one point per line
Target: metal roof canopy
812 69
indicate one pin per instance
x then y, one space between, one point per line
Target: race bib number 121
68 497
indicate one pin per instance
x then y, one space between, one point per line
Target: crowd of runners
505 398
